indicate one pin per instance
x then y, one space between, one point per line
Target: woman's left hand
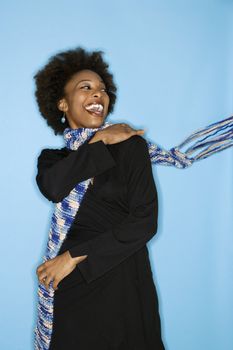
56 269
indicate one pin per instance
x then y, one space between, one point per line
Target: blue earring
63 119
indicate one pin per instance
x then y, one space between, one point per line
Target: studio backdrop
172 63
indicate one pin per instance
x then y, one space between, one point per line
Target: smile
95 109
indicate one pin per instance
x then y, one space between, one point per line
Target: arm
114 246
59 171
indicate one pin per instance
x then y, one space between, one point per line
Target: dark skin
78 94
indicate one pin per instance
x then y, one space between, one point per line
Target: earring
63 119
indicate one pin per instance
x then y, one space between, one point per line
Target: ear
62 105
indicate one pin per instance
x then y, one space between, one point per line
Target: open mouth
95 109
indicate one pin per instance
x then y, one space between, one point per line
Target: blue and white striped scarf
212 139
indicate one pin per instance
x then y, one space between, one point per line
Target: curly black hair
52 78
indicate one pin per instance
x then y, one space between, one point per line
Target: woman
96 286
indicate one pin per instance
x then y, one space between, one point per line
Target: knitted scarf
211 139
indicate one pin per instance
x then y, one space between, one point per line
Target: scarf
211 139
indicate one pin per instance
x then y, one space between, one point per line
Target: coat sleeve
140 225
60 170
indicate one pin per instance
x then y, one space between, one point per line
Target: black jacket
118 214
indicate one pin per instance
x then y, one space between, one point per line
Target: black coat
109 301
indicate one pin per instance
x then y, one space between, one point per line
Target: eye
87 86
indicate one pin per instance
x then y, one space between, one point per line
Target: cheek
78 101
107 101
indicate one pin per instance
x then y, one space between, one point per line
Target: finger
55 283
42 266
42 272
43 283
126 126
42 277
132 131
48 281
39 268
46 284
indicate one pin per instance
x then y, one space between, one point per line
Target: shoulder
135 151
136 143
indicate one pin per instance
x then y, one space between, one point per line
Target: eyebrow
101 81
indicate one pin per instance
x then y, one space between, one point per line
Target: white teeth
95 107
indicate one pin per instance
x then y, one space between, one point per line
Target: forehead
86 74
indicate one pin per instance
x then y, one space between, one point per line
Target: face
86 101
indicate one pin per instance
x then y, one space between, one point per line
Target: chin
97 123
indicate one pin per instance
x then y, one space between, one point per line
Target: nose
97 93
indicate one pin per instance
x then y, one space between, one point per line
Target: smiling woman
96 287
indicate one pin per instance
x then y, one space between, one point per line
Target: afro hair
52 78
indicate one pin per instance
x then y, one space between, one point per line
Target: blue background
172 62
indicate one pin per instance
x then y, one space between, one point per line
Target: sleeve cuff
83 266
95 264
79 250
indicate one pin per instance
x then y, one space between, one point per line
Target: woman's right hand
115 133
